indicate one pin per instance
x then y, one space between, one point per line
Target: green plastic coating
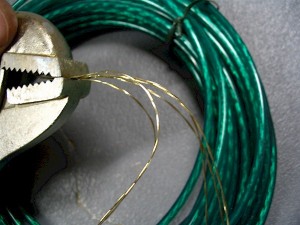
238 124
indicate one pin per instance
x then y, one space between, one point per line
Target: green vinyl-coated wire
238 124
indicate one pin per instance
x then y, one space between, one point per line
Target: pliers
37 93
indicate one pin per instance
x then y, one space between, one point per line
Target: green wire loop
238 124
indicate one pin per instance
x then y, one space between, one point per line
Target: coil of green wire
238 124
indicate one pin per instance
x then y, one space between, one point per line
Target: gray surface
112 140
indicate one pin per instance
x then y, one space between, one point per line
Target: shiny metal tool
36 95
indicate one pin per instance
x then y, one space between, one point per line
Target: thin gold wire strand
156 141
166 91
209 151
213 170
116 204
196 129
204 162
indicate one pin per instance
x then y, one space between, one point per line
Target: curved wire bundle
238 124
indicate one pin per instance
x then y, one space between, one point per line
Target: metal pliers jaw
36 93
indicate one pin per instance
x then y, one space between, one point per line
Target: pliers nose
36 93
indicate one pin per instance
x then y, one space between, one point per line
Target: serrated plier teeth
34 76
